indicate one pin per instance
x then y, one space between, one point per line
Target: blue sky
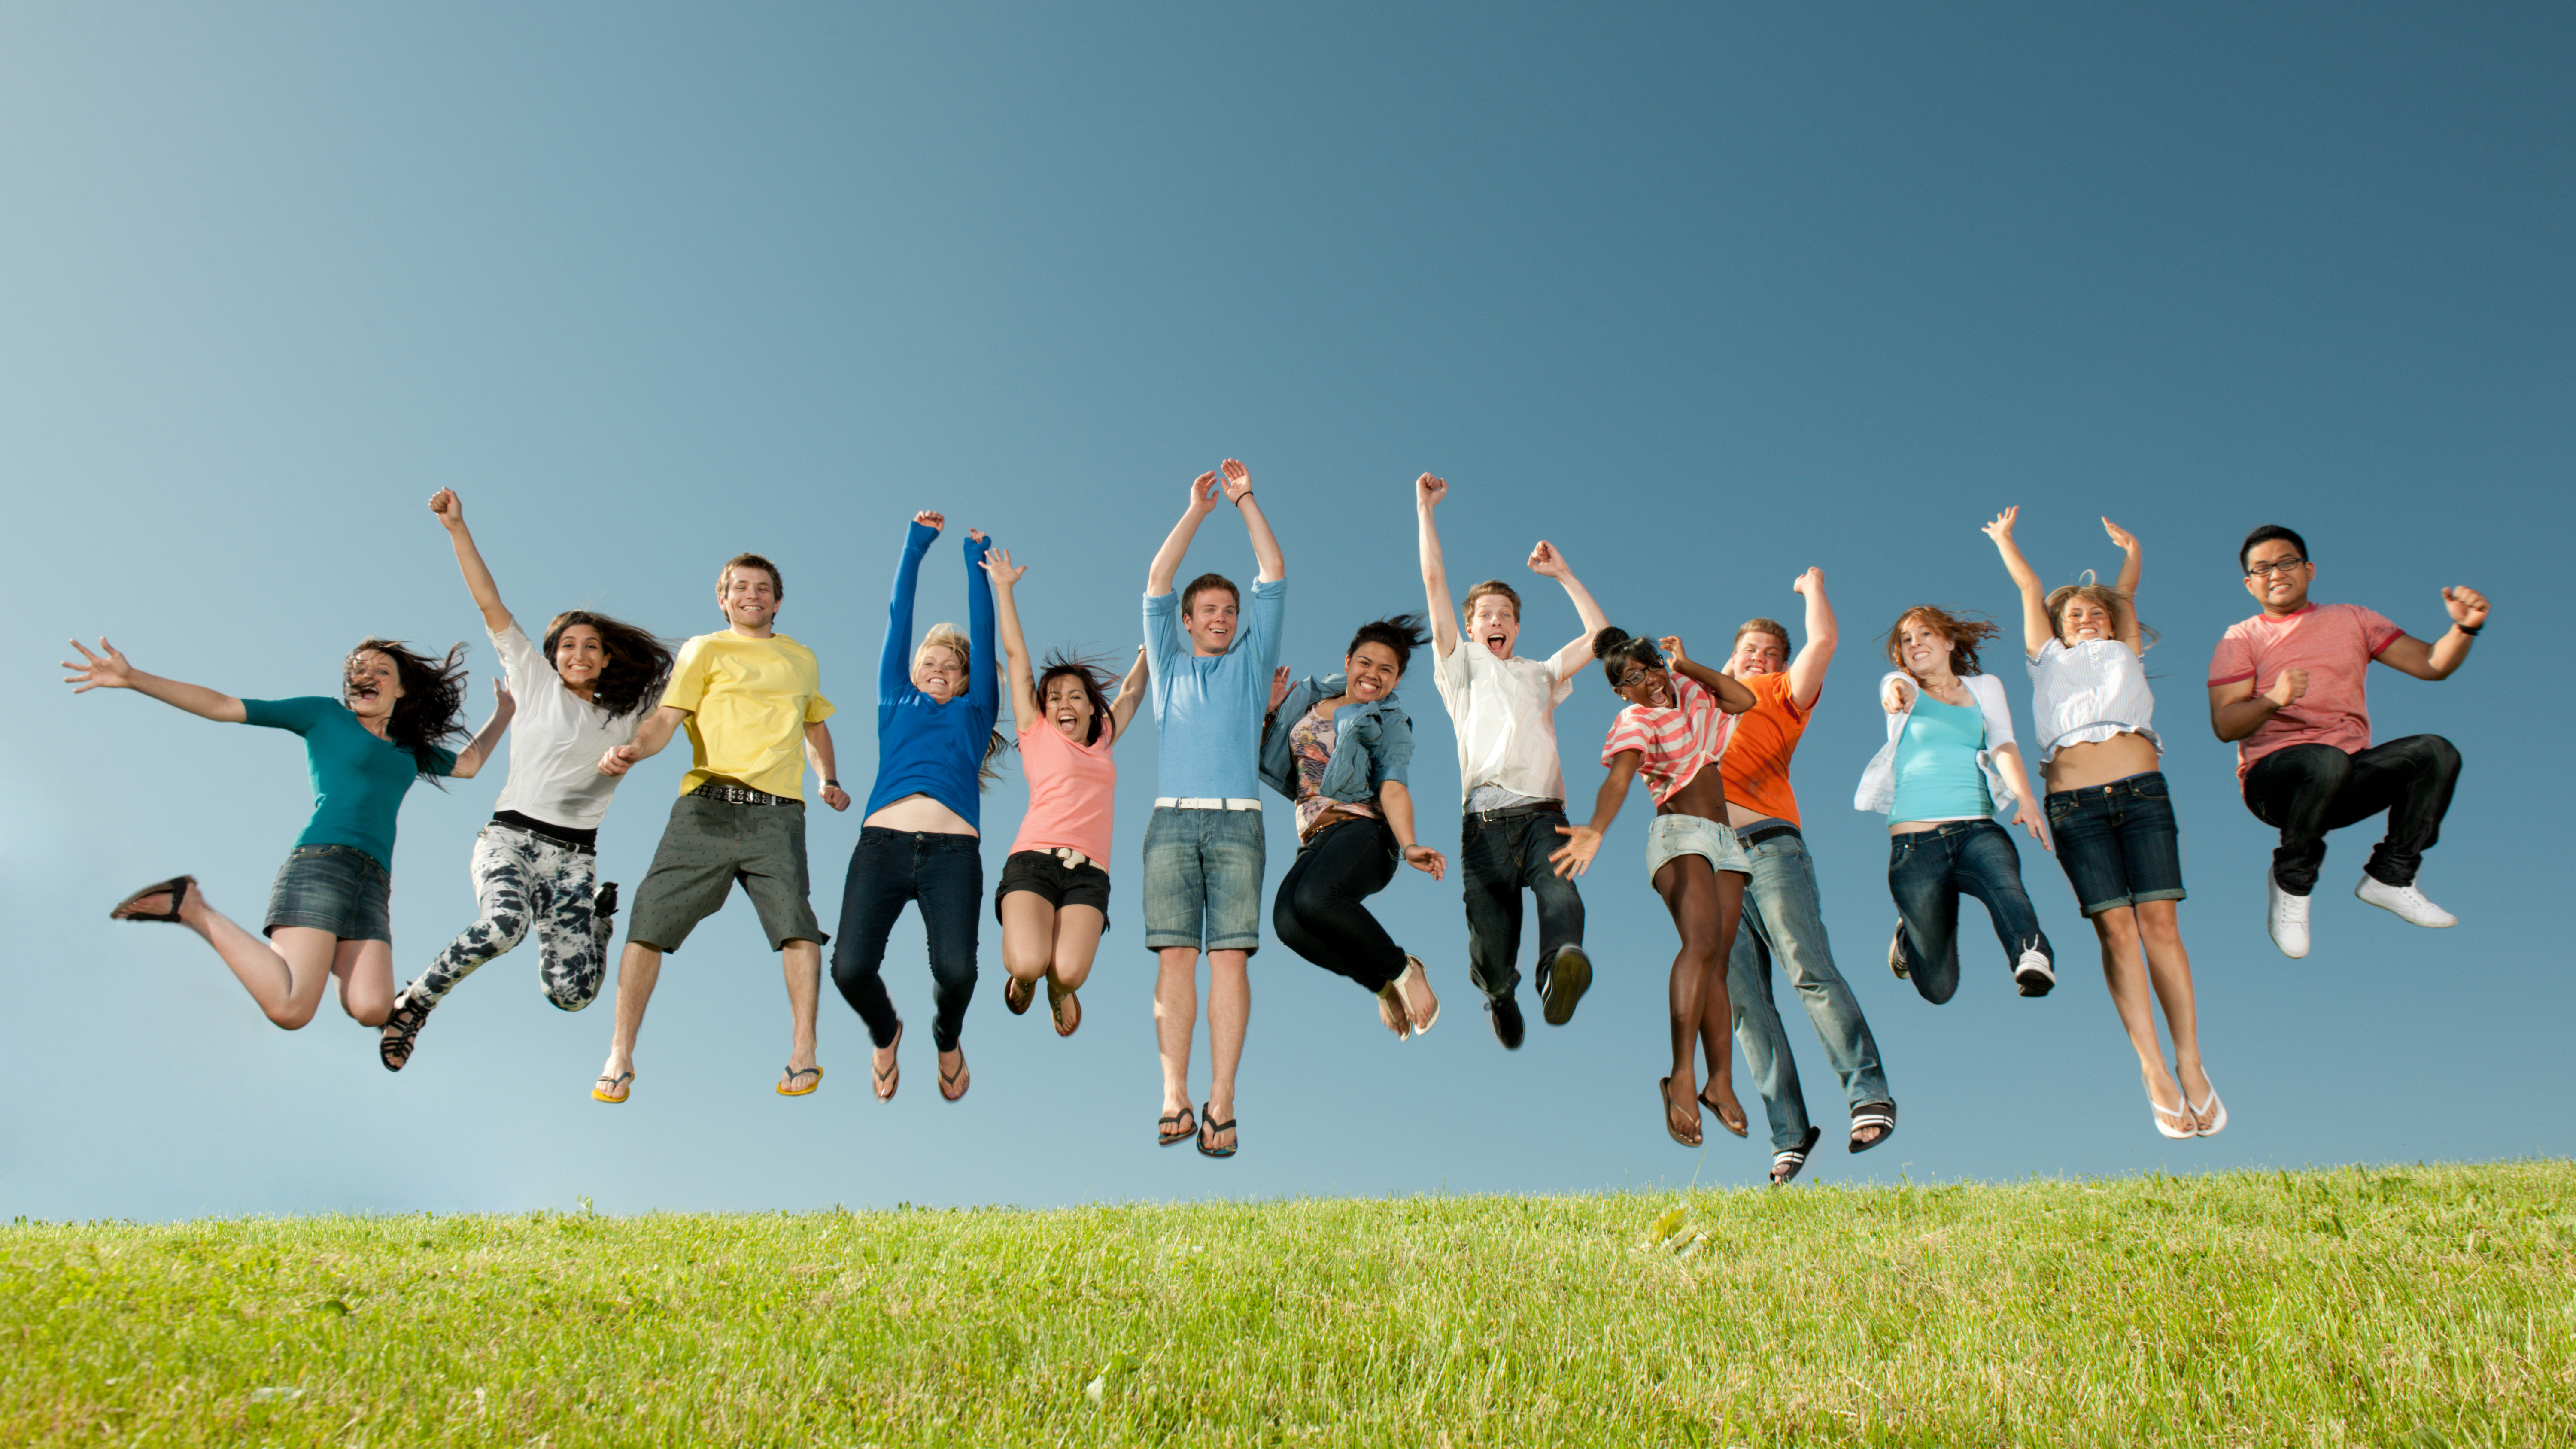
1704 294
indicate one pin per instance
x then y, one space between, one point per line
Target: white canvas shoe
2405 902
2034 975
2289 919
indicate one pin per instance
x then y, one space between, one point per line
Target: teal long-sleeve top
925 747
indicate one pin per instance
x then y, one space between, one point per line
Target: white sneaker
2289 919
2034 975
2405 901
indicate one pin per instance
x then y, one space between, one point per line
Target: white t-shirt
556 740
1504 714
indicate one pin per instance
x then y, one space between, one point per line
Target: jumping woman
935 745
537 864
1671 731
1949 763
1053 902
1339 749
329 912
2109 813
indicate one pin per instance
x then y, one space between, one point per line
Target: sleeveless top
2088 693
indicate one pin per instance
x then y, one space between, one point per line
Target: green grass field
2415 1307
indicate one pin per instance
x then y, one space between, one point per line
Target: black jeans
1496 862
2306 790
1321 913
945 874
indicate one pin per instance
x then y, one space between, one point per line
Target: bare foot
1730 1114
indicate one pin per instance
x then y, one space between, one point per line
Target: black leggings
1320 912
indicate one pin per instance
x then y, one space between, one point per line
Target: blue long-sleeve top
925 747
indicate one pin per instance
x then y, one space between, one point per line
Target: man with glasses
2289 686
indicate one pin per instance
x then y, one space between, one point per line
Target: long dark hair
432 706
639 664
1400 633
1095 683
1614 644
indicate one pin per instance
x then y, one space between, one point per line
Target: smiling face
1372 670
2084 619
938 672
1757 653
1211 619
1646 685
1494 623
1923 647
580 655
2276 583
749 598
372 686
1067 706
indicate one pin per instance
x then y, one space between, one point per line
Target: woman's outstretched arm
2025 805
470 760
108 669
1396 798
1006 612
2035 630
1584 841
1131 693
894 665
1732 696
469 559
2132 564
982 679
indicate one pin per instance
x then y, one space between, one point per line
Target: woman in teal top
328 912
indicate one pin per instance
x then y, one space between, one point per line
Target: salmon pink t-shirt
1755 766
1073 792
1677 742
2335 644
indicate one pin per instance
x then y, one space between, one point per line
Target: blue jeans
1929 870
1203 879
1783 918
944 874
1496 863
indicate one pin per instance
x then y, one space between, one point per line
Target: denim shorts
1672 835
1203 879
336 888
1043 873
2118 842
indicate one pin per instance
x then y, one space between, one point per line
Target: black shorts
1045 875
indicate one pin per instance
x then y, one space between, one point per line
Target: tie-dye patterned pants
523 880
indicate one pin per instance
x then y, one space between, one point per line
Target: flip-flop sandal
1881 1115
892 1076
1413 964
1176 1128
1212 1125
806 1090
613 1090
177 889
961 1077
1793 1158
1056 1000
1744 1131
1664 1099
1017 994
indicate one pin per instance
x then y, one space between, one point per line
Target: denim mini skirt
336 888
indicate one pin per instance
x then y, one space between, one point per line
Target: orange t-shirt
1755 766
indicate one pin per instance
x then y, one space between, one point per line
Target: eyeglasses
2276 566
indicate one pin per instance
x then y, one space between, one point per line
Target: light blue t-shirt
1937 777
1209 710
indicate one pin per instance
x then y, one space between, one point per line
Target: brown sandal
1057 999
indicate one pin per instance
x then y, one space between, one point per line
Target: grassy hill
2417 1306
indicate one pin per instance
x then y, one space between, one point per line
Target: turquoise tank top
1936 764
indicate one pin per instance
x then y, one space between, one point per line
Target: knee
2159 928
2118 927
1071 974
2442 754
572 996
508 929
293 1018
1025 956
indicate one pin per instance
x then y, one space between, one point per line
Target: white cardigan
1878 783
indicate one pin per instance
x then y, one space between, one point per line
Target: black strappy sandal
402 1031
1213 1125
1793 1158
176 887
1176 1128
1881 1115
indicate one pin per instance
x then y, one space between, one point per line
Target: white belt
1073 859
1207 802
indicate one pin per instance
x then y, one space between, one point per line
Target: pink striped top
1676 742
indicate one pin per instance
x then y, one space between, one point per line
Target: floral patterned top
1310 743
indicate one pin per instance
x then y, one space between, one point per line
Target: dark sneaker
1896 950
1568 977
604 903
402 1029
1505 1013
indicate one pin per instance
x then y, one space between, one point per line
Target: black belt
586 841
1759 834
1517 812
741 795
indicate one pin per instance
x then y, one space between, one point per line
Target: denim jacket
1378 732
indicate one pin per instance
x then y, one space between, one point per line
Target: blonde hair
1492 586
949 637
2123 611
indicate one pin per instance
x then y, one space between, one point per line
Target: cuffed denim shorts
2118 843
1672 835
336 888
1203 879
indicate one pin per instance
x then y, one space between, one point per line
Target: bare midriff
922 816
2077 767
1703 795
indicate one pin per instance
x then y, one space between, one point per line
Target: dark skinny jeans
1929 870
1321 912
1496 863
945 875
2304 791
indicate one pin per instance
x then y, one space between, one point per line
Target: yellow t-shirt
749 701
